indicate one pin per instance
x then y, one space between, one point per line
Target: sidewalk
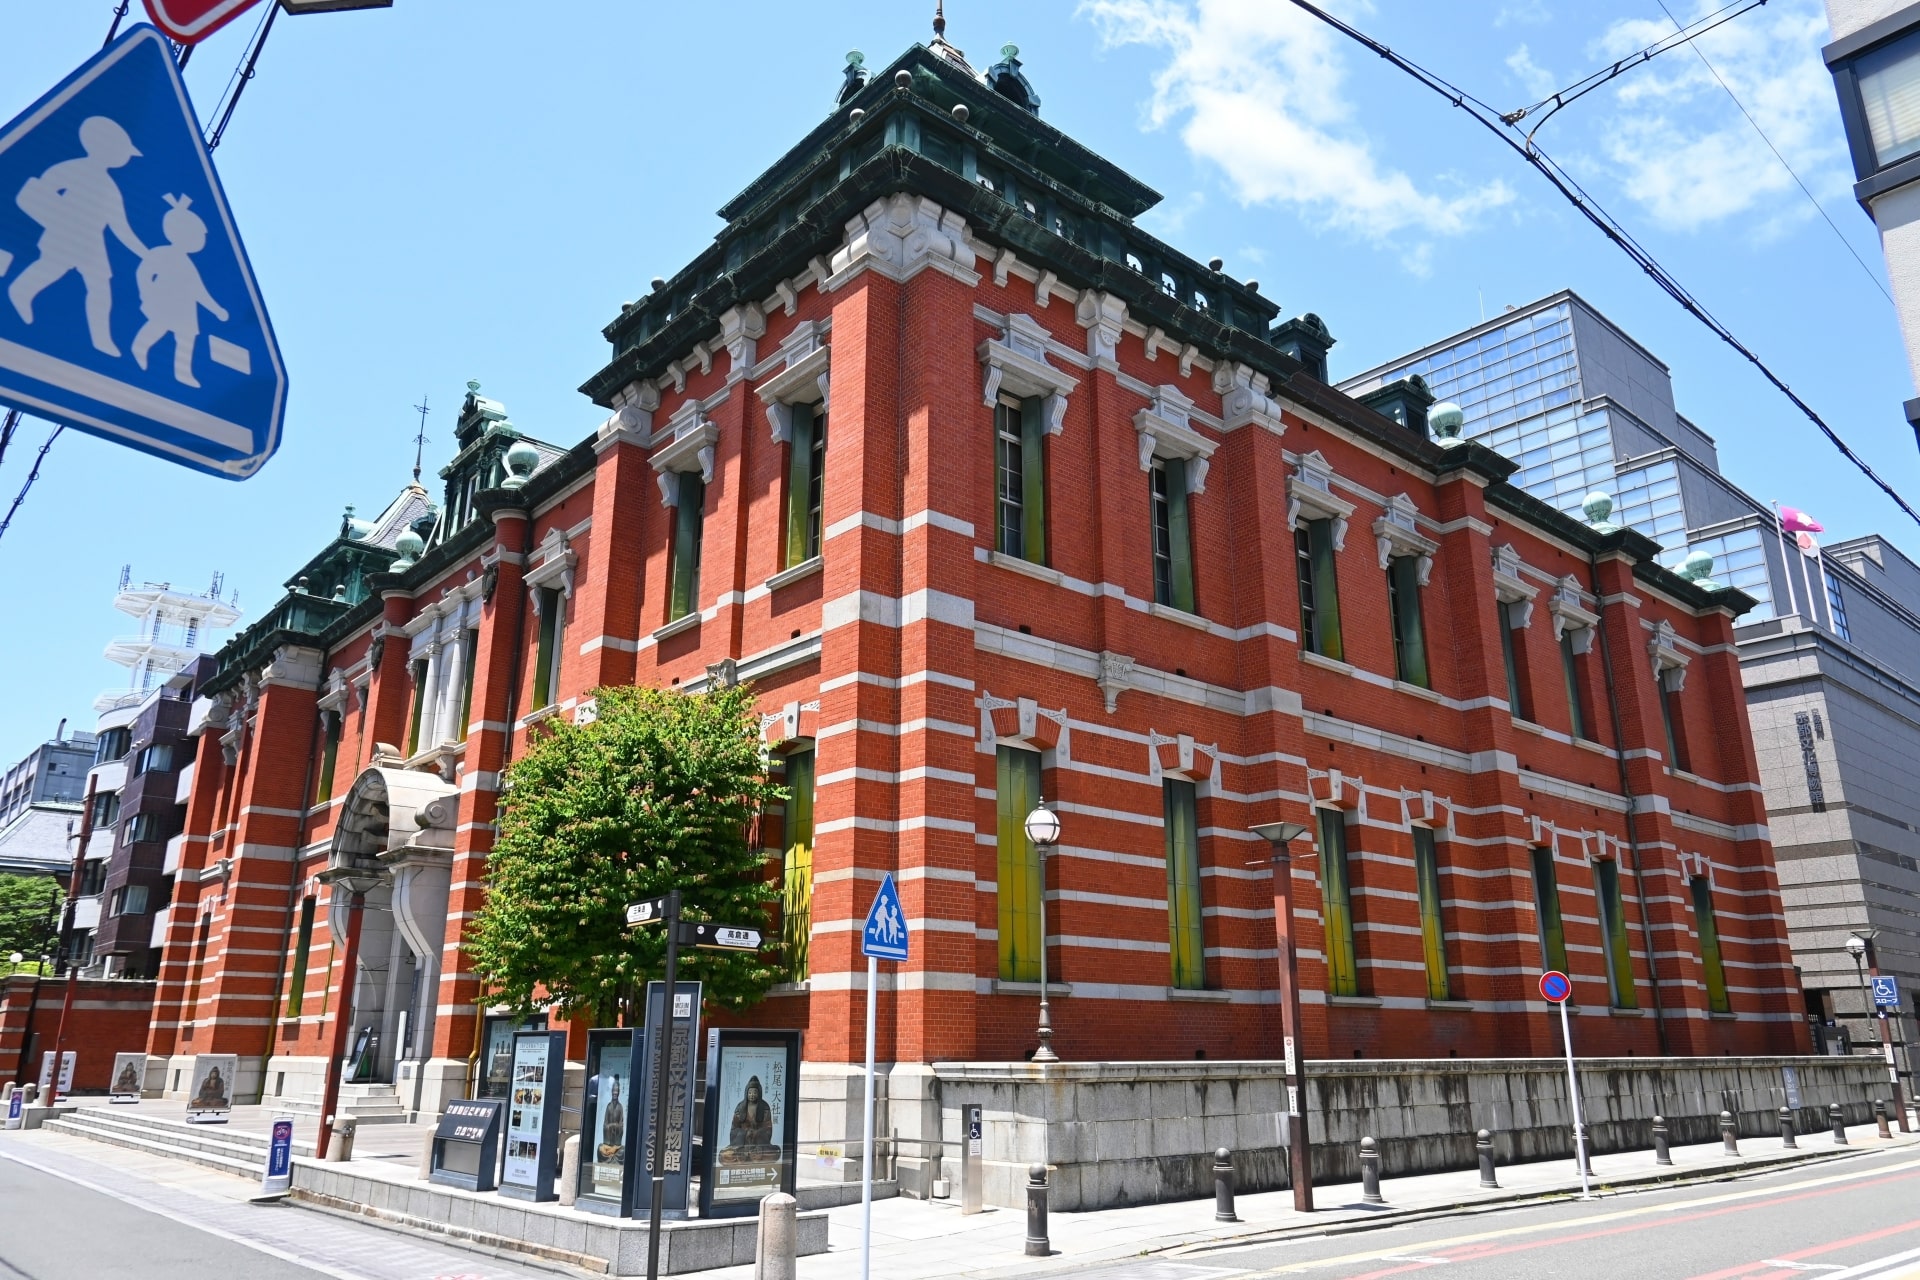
922 1240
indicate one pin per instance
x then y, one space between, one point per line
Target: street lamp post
1867 961
1043 829
1299 1153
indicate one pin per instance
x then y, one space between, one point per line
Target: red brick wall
108 1017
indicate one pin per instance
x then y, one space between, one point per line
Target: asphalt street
1851 1220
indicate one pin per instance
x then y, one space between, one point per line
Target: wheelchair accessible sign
128 308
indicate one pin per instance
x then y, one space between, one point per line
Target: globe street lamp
1865 960
1043 830
1299 1155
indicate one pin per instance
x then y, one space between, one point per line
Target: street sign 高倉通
127 306
719 937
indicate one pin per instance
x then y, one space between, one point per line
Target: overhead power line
1495 123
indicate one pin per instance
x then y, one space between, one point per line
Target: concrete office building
55 772
1830 657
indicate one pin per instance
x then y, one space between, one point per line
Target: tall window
796 898
1403 610
302 952
470 646
1546 907
419 669
329 754
106 809
1708 928
683 594
1613 932
1433 931
546 652
1336 905
1675 726
145 828
1576 695
1183 885
1017 790
1319 589
1020 487
1519 697
1172 535
806 475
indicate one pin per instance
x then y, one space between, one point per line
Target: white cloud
1255 88
1530 13
1533 77
1681 148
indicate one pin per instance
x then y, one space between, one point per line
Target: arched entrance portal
396 834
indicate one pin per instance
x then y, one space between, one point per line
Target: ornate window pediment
1570 616
1017 364
339 695
1310 497
553 564
1397 533
1512 589
691 449
1669 663
1165 433
805 380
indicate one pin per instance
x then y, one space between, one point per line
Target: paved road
71 1219
1854 1220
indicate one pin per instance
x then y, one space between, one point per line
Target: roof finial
939 19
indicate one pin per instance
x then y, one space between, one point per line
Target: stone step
241 1161
220 1139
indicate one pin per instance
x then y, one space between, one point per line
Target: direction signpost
130 310
883 937
1557 988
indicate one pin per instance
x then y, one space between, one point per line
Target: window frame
796 861
1433 928
1019 435
1336 903
1519 690
1610 903
1020 873
547 647
302 954
1706 924
1571 673
1410 664
1546 910
806 484
1316 566
330 724
1171 511
1843 57
689 539
1186 926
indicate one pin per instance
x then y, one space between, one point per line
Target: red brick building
991 494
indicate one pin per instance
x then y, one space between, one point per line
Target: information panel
610 1118
678 1163
533 1114
466 1145
752 1119
129 1077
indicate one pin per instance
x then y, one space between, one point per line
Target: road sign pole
866 1177
661 1093
1573 1090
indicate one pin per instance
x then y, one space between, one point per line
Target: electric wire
1818 207
1608 226
31 477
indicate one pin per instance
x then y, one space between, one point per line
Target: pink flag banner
1799 521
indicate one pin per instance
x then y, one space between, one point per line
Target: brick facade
911 650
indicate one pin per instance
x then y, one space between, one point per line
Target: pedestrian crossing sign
885 935
128 308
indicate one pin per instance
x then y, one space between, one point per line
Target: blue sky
455 189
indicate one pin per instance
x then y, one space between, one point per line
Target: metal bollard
1660 1153
1729 1135
1786 1127
1037 1244
567 1190
778 1247
1483 1147
1370 1172
1880 1118
1223 1187
1838 1123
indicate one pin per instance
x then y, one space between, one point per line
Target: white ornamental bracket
1310 497
1513 590
692 449
804 380
1016 363
1165 433
1397 533
1570 616
1669 663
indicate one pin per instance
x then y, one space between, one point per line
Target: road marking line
1888 1267
1803 1266
1795 1258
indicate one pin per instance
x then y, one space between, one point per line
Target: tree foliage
29 915
657 793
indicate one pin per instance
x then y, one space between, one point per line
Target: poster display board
609 1124
533 1114
129 1077
466 1144
210 1091
752 1119
496 1052
678 1154
277 1179
66 1073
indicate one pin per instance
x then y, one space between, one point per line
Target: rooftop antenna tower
420 438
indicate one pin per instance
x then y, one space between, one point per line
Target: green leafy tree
29 916
657 793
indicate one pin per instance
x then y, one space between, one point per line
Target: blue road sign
1886 993
1555 986
129 309
885 934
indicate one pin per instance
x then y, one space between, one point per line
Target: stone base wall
1120 1133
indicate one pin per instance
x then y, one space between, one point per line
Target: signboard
191 21
651 911
1792 1082
129 1077
66 1073
609 1124
496 1052
1886 992
752 1119
533 1114
677 1161
719 937
1555 986
884 936
278 1179
210 1090
466 1144
130 309
16 1108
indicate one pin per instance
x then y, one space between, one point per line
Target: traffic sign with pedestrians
130 310
885 935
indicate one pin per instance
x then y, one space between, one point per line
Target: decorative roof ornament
856 74
1697 568
410 546
1006 79
1446 419
1598 507
940 45
521 460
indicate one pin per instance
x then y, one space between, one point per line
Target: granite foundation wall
1120 1133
